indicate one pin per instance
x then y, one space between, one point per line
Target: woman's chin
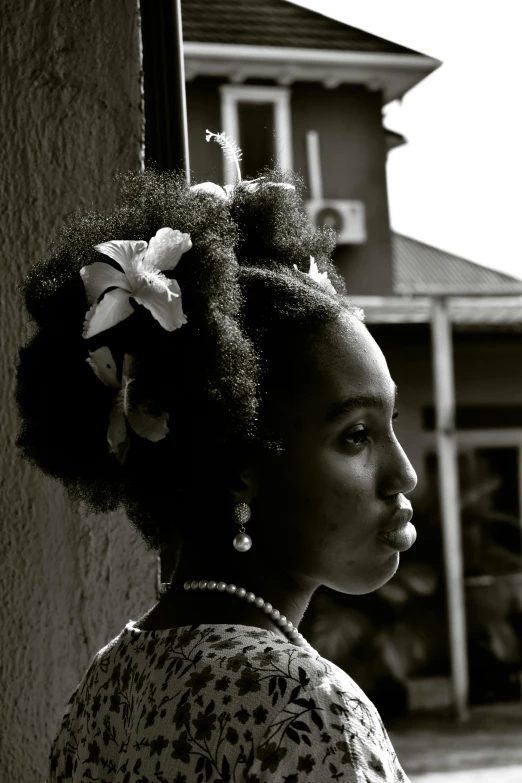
368 579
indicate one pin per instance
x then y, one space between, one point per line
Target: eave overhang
394 74
393 139
463 310
458 289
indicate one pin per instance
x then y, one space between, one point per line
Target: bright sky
455 184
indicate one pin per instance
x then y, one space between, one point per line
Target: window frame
486 439
231 95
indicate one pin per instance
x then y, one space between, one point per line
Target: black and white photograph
261 308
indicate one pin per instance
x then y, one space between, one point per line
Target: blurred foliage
383 638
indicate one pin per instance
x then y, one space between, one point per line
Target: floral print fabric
218 703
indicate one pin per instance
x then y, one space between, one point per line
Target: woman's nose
401 475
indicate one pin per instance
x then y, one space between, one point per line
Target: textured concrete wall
70 117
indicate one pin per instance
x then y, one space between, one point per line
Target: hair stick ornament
232 152
230 149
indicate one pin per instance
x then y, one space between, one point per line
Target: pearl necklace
285 625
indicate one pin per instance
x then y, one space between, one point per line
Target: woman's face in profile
322 505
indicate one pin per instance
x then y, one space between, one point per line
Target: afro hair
248 306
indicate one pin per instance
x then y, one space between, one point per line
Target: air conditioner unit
347 218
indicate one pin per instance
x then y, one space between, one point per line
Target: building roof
275 23
393 139
420 269
276 40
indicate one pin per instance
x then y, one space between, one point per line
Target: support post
449 500
166 126
313 159
166 131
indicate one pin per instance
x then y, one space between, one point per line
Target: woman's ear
245 485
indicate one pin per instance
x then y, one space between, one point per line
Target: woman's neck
176 610
256 575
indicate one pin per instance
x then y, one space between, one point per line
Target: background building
294 87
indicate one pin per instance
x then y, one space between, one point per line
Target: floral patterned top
218 703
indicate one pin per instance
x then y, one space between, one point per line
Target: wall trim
294 55
231 95
395 74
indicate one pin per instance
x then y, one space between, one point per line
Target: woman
232 400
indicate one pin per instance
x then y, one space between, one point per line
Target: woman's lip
400 519
400 539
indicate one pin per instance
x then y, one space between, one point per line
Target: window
490 508
490 478
478 417
258 119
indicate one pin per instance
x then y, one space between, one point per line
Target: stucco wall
70 117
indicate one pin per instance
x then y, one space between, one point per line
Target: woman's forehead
347 363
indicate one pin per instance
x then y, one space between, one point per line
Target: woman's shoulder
261 704
227 648
245 665
235 662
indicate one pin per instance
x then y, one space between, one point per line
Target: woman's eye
357 436
395 415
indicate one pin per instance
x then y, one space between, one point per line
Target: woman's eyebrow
358 401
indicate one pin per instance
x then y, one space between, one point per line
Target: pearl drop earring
242 542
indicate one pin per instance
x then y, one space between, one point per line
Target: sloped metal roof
420 269
276 23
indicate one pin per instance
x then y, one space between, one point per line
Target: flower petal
117 436
124 252
326 283
137 411
165 249
320 277
104 367
98 277
168 312
252 185
313 271
113 308
212 189
146 425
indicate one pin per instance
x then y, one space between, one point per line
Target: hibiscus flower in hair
109 290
